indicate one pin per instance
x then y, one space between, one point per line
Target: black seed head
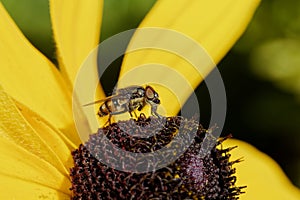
191 176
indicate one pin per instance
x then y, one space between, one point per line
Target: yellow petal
55 140
13 188
76 27
32 79
214 25
262 175
85 91
45 144
20 171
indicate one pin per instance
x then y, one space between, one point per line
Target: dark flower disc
190 175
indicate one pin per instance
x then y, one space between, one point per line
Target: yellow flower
37 128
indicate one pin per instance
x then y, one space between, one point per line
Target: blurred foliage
118 16
262 76
121 15
261 73
32 16
278 60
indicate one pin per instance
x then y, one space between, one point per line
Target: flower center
189 176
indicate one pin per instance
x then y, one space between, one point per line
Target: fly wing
123 95
99 101
127 90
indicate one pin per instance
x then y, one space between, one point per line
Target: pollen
190 176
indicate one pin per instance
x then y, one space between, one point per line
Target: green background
261 73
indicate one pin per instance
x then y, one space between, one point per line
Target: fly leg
139 108
100 114
153 111
114 113
108 121
130 112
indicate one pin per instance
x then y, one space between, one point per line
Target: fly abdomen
103 110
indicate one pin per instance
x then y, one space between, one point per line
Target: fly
128 99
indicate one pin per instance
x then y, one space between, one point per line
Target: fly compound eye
150 93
